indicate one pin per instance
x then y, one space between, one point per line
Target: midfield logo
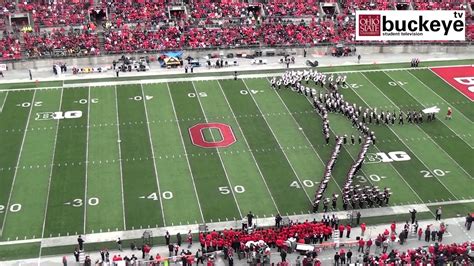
390 25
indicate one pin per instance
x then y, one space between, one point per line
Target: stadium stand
144 26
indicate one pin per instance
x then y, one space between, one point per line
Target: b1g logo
225 131
58 115
382 157
369 25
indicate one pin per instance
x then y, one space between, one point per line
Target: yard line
273 133
219 154
438 95
248 146
304 134
427 168
51 172
87 156
399 174
443 123
17 163
153 155
4 100
445 81
185 152
120 158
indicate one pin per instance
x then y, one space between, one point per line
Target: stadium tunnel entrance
97 15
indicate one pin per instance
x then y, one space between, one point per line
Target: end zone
461 78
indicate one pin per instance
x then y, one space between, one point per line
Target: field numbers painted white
28 104
154 196
306 183
436 172
351 85
372 177
16 207
139 98
246 92
226 190
79 202
84 101
397 83
199 94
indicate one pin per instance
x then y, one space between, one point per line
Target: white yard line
445 81
153 155
304 134
7 206
87 157
273 133
4 101
120 158
401 139
185 153
375 146
219 154
248 146
442 121
51 172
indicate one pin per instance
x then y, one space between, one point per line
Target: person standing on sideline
438 213
190 239
199 257
304 52
278 220
363 227
249 219
358 214
413 216
348 229
29 72
119 244
468 222
420 233
336 259
349 256
80 242
178 239
283 255
167 238
76 254
358 59
449 113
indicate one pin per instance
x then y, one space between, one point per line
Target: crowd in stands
137 26
68 43
9 47
58 13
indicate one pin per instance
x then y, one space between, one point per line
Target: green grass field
128 161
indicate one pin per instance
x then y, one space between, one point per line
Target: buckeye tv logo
393 25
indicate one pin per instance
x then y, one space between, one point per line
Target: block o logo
369 25
197 137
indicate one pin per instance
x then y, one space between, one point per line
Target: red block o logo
197 137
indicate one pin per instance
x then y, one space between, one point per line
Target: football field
81 160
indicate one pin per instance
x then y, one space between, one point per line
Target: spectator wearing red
363 227
393 226
369 244
348 229
341 230
361 245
